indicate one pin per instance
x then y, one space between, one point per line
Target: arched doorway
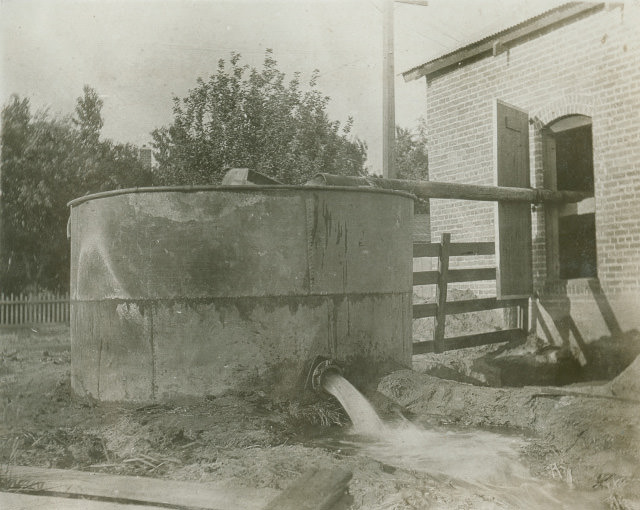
571 230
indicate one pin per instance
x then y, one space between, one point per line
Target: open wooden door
513 220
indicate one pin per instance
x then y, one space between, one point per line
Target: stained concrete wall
200 292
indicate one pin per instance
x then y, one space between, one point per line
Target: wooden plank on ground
318 489
210 495
462 342
14 501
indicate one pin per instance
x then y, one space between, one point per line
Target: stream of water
484 462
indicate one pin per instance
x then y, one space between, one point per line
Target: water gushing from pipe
363 416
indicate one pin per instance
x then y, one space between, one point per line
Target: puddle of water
464 455
477 462
481 462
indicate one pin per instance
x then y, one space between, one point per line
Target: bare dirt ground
584 443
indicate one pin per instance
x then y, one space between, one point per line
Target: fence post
441 293
524 318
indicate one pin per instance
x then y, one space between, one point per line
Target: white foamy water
363 416
481 462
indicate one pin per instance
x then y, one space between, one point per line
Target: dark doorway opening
573 141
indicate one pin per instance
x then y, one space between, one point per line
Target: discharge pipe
319 369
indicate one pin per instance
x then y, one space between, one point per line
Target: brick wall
590 66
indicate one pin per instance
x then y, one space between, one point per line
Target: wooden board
551 211
144 490
463 342
441 292
317 489
455 249
13 501
424 310
513 220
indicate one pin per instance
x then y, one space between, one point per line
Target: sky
138 54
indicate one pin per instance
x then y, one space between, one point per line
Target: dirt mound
627 384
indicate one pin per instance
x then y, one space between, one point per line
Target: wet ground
548 447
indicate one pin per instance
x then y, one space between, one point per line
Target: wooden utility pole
388 92
388 95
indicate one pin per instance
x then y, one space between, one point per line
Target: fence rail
32 309
441 308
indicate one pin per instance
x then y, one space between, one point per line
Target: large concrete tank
195 291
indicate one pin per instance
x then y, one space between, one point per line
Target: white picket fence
27 309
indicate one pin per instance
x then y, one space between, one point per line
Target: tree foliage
245 117
411 159
89 116
46 162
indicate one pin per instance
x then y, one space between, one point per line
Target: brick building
575 73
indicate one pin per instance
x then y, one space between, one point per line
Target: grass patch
12 483
324 413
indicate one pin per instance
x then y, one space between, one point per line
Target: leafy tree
46 162
244 117
89 116
411 159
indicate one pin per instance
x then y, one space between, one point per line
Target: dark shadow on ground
524 365
533 363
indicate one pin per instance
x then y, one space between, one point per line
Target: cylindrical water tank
196 291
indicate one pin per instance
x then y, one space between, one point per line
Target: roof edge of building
501 41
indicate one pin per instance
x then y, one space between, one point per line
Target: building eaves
501 41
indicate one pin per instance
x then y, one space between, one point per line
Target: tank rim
249 187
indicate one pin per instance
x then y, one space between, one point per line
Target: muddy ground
587 443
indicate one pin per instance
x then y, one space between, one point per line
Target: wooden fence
33 309
441 308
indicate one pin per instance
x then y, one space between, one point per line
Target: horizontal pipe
432 189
